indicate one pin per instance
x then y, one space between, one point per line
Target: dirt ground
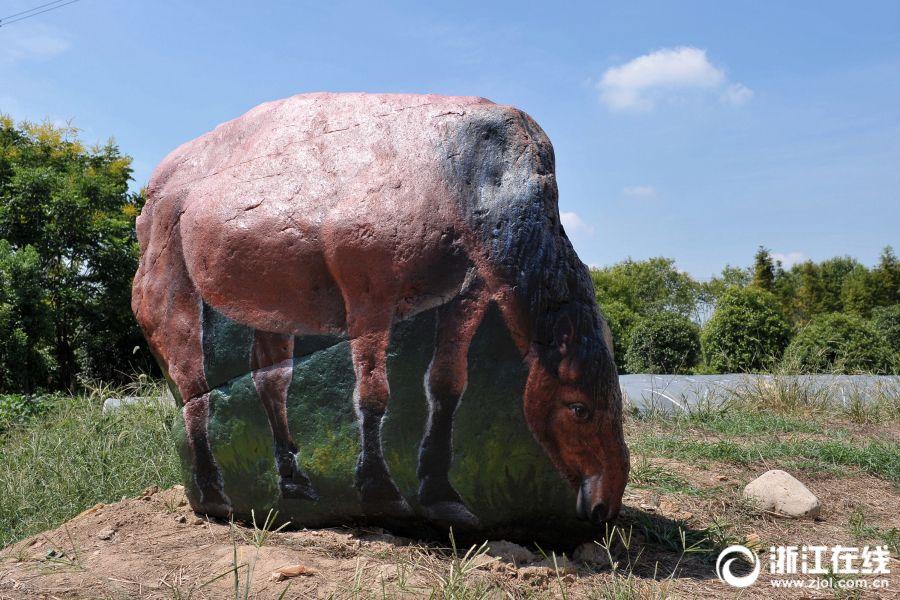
155 547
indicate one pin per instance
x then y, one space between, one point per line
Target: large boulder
371 312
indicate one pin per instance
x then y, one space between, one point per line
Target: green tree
887 278
715 288
832 275
631 290
25 358
858 292
663 342
763 270
838 342
747 332
785 288
886 321
647 286
72 207
809 297
621 320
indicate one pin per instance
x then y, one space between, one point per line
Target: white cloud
665 74
575 224
789 259
640 191
24 44
736 94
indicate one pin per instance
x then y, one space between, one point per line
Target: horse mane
557 298
502 167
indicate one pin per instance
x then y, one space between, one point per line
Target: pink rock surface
346 213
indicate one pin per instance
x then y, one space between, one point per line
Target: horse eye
580 411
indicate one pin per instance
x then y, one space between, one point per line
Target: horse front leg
445 383
272 373
379 494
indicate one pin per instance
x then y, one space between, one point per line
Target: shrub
16 408
621 320
663 342
838 342
886 320
747 331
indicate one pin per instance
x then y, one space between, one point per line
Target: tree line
833 316
68 252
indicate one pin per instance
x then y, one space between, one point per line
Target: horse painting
343 214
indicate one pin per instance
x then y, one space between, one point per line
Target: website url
824 584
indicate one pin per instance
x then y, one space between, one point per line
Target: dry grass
684 503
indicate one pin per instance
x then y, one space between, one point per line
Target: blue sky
694 130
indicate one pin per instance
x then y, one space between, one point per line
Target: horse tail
165 301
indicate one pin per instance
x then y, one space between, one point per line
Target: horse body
342 214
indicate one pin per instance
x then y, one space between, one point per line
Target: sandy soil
155 547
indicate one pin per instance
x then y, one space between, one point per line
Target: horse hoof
219 510
213 502
454 514
298 489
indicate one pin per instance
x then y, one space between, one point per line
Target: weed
880 458
455 584
646 474
76 456
257 538
624 584
863 531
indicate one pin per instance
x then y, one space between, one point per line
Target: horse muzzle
596 503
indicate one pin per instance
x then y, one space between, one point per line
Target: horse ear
564 334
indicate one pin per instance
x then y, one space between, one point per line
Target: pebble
592 554
510 552
779 492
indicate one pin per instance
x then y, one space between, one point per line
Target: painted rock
372 314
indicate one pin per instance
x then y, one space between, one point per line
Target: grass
74 456
875 457
782 421
645 474
61 455
862 531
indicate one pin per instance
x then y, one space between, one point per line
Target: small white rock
511 553
778 491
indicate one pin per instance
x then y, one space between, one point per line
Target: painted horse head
573 406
